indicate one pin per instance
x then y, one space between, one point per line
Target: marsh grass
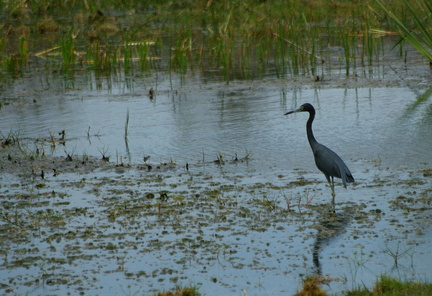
311 286
23 51
126 125
143 51
10 139
228 39
398 254
67 45
416 30
387 286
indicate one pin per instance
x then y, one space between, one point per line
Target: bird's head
303 108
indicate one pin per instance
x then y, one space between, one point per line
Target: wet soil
227 223
79 224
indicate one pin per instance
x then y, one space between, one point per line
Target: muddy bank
213 187
97 226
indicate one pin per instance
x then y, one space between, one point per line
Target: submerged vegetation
231 39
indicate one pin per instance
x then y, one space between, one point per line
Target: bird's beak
293 111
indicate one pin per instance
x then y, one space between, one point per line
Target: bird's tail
347 178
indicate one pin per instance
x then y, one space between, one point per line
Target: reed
346 42
420 35
179 58
23 50
67 45
143 52
127 59
227 38
126 125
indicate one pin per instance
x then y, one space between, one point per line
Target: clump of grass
143 49
179 59
48 24
311 286
11 139
178 291
387 286
17 61
67 45
96 56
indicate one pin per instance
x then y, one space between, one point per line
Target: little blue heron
326 160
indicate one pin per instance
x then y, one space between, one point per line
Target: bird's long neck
310 135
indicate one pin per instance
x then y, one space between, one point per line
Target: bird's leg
333 191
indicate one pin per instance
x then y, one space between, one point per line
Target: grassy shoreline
236 39
385 286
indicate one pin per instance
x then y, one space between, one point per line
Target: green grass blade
420 43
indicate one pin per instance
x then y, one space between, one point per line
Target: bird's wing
331 164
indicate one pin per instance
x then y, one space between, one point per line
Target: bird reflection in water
330 225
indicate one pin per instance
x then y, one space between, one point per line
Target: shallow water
225 233
195 122
256 225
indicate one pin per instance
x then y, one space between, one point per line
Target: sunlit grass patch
387 286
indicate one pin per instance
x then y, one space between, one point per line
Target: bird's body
326 160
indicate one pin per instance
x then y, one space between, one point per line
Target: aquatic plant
23 51
17 61
67 46
127 59
143 53
11 139
104 152
227 39
420 35
126 125
397 254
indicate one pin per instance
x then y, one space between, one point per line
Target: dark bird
326 160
